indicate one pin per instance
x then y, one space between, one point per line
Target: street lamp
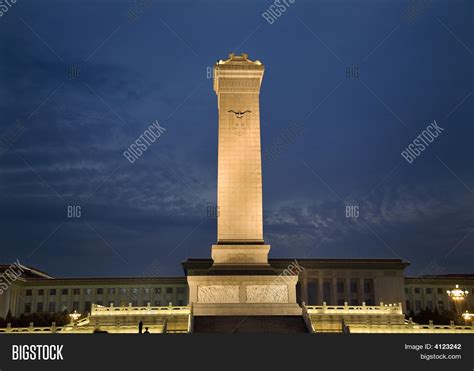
74 316
459 298
467 316
457 294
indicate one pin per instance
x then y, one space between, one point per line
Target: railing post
165 326
30 328
53 327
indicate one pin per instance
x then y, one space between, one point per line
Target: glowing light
467 316
74 316
457 294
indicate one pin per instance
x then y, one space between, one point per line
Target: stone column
348 295
376 291
320 290
361 293
334 291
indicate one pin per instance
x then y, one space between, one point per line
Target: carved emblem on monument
239 121
267 294
218 294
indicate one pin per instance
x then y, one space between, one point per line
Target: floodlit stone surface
237 83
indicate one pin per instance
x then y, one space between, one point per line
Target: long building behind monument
333 281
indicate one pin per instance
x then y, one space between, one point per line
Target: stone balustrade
382 309
98 310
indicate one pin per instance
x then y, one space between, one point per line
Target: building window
88 291
75 306
169 290
134 290
39 307
52 307
100 291
123 290
440 290
312 289
417 290
180 290
407 304
65 291
340 287
353 286
87 306
111 291
157 290
28 292
63 307
76 291
40 292
368 286
417 305
441 305
27 307
52 292
428 290
327 292
146 290
429 305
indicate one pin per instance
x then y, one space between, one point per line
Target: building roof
453 278
193 266
238 60
28 272
74 281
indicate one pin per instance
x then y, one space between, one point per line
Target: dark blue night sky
147 217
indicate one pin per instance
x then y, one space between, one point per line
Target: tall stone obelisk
239 281
237 82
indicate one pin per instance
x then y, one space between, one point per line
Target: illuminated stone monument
240 281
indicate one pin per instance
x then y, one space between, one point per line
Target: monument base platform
246 309
243 295
240 254
250 324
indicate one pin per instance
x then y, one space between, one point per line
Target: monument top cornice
239 61
239 73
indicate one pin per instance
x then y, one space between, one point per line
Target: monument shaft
237 83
